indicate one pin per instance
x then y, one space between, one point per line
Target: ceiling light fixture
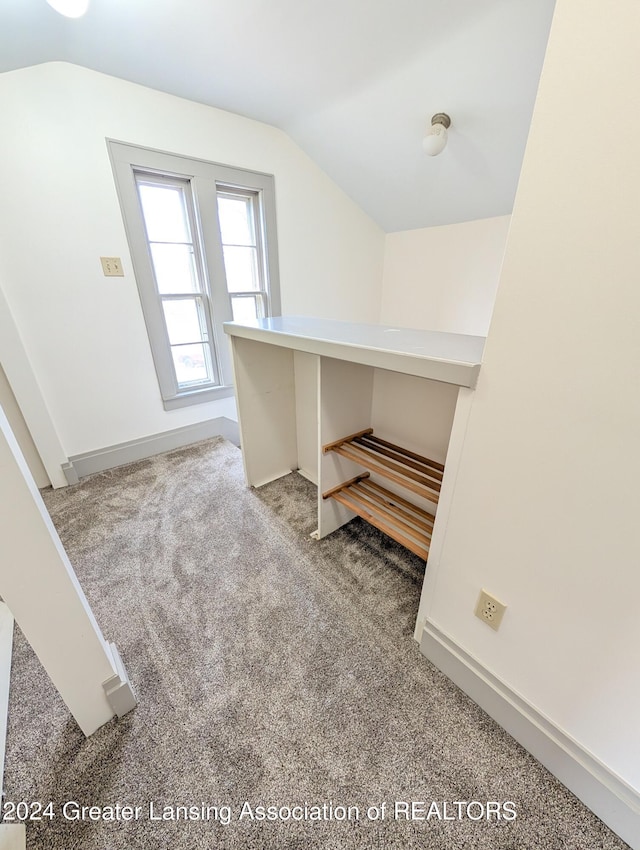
435 140
70 8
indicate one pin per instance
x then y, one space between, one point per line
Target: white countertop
448 357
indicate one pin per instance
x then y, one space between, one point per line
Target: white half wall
545 510
6 650
83 333
444 278
41 590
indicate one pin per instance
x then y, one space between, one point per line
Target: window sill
186 399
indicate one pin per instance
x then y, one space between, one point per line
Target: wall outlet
112 266
490 610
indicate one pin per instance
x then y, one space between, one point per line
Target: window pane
184 323
191 364
247 309
164 213
236 221
241 267
174 268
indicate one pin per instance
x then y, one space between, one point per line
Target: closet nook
360 410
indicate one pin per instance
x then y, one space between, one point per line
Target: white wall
444 278
83 333
413 412
28 394
545 509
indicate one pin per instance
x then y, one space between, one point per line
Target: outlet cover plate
489 609
112 266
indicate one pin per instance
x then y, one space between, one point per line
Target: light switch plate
112 266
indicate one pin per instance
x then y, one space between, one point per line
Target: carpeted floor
272 670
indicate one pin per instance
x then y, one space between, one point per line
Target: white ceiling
354 82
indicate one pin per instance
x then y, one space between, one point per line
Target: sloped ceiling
354 82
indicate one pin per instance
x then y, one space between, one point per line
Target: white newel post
38 584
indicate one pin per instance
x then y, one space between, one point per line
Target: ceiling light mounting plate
441 118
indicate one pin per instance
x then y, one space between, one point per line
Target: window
243 250
203 246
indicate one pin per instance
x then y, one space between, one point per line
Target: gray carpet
271 670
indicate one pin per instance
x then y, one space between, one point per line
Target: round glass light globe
70 8
436 140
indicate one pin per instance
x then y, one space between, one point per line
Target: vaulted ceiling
353 82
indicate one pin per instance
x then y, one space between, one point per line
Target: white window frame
206 179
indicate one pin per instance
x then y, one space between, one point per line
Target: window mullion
261 249
220 302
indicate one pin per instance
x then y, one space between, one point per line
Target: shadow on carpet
272 671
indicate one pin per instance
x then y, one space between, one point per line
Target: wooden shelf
418 474
405 522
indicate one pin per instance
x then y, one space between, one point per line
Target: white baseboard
310 476
118 689
109 457
609 797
